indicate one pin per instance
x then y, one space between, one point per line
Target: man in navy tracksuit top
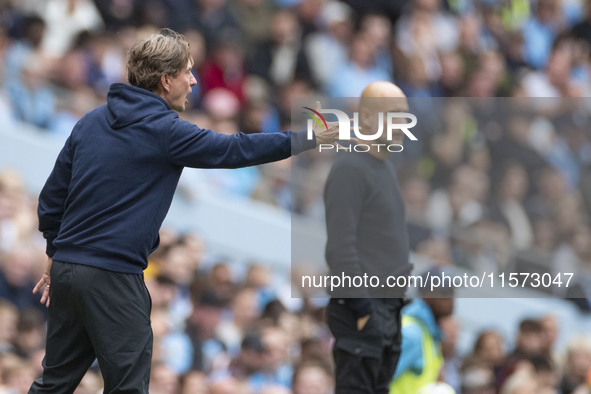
103 205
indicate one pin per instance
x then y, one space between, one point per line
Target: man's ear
165 82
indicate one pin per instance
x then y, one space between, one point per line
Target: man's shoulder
89 118
169 115
94 113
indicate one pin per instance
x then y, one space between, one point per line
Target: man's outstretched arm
191 146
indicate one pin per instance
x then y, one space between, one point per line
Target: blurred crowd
483 191
227 328
253 56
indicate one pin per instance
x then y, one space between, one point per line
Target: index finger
38 286
317 106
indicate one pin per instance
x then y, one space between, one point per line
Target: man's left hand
44 281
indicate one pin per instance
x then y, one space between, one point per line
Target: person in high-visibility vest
420 359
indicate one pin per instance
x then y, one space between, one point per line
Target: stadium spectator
32 100
195 383
488 349
252 17
224 68
277 365
31 335
232 330
65 19
522 381
421 358
326 49
577 365
377 28
246 367
530 344
282 58
555 79
221 282
163 380
477 378
8 326
540 30
15 277
359 71
30 36
312 377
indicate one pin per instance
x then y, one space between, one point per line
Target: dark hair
531 326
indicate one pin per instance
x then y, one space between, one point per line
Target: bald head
381 96
382 89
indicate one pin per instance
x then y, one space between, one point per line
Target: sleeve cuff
300 142
50 249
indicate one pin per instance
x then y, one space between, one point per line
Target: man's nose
193 79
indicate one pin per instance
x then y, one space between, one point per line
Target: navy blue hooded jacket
114 179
